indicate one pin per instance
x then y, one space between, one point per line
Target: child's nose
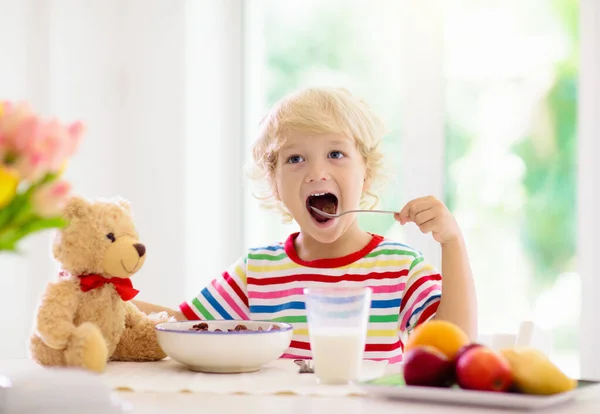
317 173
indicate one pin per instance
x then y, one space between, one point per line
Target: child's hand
431 215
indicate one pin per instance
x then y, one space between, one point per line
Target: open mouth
326 202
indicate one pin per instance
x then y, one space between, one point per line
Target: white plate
393 387
224 351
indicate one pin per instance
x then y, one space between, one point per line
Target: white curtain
158 83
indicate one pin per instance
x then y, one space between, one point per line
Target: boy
319 147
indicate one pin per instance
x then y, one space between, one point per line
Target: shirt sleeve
422 295
225 297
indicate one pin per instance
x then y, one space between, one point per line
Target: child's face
326 171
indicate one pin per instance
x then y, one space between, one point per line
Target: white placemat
280 377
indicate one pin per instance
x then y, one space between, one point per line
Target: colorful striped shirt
267 284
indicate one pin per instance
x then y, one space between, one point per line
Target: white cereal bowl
224 352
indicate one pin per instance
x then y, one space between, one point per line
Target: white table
150 403
177 403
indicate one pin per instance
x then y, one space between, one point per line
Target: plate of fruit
441 365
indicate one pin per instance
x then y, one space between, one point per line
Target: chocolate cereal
204 327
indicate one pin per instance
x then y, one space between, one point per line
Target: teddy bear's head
100 238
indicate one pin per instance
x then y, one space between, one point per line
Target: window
509 81
511 73
316 43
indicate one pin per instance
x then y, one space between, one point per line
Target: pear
534 373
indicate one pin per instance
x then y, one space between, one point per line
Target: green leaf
42 224
19 206
10 247
10 236
20 209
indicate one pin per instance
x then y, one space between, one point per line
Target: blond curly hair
316 111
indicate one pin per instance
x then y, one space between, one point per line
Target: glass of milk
337 327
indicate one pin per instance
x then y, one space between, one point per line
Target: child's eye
295 159
336 155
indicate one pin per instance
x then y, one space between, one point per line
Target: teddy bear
84 317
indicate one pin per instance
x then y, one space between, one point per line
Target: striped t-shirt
267 284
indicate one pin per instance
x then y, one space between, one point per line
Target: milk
337 355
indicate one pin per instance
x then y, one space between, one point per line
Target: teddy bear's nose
141 249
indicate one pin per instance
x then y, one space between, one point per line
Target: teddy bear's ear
123 203
77 206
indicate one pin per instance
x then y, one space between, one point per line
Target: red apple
426 366
464 349
482 369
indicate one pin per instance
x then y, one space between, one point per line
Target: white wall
214 202
589 182
151 81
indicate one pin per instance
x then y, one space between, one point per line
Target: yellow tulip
1 110
62 169
9 180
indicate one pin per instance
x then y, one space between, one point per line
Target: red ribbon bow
123 286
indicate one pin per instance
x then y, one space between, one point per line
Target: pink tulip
35 147
12 117
50 199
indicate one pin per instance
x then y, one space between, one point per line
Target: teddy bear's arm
149 308
138 341
134 315
55 313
